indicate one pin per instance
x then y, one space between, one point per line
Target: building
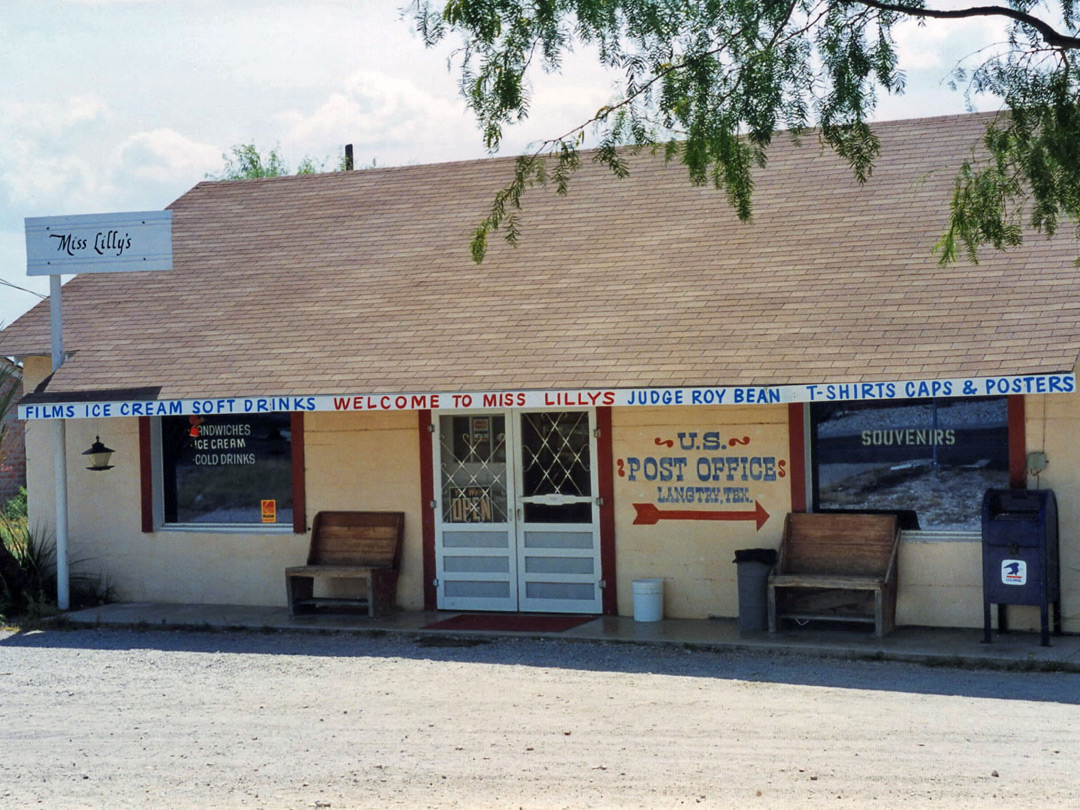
12 446
642 386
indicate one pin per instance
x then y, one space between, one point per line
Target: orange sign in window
269 511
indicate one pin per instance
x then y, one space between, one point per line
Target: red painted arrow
649 515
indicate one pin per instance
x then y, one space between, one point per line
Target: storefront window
232 470
932 457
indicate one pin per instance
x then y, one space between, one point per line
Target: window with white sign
227 470
934 458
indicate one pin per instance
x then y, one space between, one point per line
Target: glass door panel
475 552
516 515
558 537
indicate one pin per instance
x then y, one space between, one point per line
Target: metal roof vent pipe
348 157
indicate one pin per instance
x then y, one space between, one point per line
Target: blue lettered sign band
1064 383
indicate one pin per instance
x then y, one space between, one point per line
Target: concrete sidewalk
923 645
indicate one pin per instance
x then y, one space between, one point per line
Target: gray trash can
754 565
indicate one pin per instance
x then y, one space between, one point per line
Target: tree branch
1049 34
605 112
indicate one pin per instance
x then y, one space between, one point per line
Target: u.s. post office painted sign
99 243
618 397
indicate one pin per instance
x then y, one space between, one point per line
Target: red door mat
509 622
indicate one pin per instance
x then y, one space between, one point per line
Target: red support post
427 495
606 480
797 456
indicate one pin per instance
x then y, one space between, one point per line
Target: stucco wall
166 566
940 581
353 461
1053 427
694 557
371 462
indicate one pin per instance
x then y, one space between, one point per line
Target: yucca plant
28 572
9 391
27 564
12 577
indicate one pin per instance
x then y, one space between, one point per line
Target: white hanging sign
99 243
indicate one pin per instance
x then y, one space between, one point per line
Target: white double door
517 521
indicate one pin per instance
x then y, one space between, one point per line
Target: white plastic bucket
648 600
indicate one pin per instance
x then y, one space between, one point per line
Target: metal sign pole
56 330
134 241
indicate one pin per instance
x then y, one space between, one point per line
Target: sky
123 105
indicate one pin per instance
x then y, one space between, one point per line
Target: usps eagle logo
1014 572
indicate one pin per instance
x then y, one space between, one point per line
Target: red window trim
299 482
797 455
427 497
1014 405
146 475
605 473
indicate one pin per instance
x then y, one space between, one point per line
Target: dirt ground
142 719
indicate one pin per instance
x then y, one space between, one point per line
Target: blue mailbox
1020 555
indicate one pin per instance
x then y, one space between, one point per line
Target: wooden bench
836 567
350 545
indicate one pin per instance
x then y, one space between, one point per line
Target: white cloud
938 44
32 177
383 115
929 53
51 118
79 169
44 160
116 2
920 46
164 156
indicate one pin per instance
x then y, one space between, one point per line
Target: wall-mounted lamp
99 455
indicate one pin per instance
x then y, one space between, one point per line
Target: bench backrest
838 544
370 539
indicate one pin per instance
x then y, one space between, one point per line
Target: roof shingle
362 281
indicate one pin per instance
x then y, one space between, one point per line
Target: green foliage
9 392
27 566
708 83
16 507
1032 174
246 162
28 570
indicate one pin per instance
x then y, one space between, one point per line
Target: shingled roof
362 282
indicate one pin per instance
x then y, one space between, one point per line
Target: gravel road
143 719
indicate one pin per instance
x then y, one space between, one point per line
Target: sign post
56 335
91 243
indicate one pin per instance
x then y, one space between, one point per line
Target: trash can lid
766 556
